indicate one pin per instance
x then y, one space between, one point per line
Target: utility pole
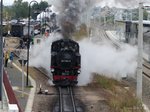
140 53
1 51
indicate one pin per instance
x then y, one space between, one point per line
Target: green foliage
37 8
43 5
125 103
24 11
135 14
145 15
106 83
8 13
20 9
119 98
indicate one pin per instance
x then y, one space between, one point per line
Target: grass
30 86
119 98
106 83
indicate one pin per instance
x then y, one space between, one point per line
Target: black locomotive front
65 62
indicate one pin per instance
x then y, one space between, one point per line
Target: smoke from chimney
69 17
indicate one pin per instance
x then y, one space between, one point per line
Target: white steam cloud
95 58
40 53
107 60
102 3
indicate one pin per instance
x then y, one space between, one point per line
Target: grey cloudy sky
115 3
10 2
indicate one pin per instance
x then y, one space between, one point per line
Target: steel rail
117 44
72 99
148 76
60 100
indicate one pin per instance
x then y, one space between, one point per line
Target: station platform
22 97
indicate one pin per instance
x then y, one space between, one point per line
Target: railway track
112 41
65 96
146 70
103 35
145 64
66 100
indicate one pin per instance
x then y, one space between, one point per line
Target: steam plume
40 53
95 58
70 12
107 60
69 17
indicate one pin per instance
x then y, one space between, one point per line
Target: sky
10 2
111 3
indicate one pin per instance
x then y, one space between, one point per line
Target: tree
145 15
135 14
37 8
20 9
8 13
7 16
24 10
43 5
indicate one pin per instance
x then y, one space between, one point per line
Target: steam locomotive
65 62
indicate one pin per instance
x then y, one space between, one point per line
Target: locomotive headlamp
52 70
79 71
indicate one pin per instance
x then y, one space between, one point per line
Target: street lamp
1 51
28 42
